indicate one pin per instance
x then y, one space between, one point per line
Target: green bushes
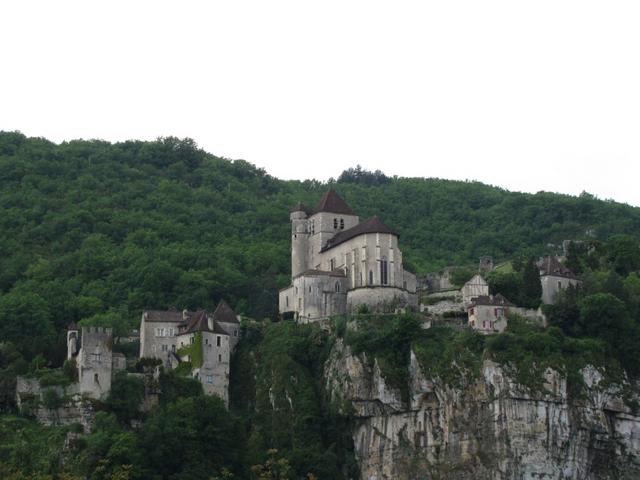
528 350
454 356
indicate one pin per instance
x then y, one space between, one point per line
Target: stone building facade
554 277
476 287
339 263
205 340
488 313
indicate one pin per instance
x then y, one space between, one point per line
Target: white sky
537 95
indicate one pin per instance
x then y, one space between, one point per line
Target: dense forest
95 232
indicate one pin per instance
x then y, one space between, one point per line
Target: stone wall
384 299
32 400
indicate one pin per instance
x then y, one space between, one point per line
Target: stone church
339 263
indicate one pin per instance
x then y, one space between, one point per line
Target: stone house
488 313
339 263
554 277
475 287
202 339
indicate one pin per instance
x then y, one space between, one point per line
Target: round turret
299 239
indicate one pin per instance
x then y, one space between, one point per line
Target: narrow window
219 358
384 271
210 379
342 224
559 285
235 333
370 277
332 264
95 378
335 223
173 348
309 288
218 341
337 287
206 341
165 348
286 301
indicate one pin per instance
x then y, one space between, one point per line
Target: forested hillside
95 232
98 231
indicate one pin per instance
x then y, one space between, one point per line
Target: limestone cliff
491 428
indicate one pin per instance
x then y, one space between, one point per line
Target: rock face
492 428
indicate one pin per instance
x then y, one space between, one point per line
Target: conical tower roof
331 202
224 313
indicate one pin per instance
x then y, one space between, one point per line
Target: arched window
337 286
384 273
335 223
342 224
370 277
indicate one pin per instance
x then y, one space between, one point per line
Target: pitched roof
372 225
333 203
224 313
200 323
163 316
492 300
552 266
329 273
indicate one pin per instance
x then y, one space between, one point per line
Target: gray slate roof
163 316
333 203
329 273
223 313
492 300
372 225
552 266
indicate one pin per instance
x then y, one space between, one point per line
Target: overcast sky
537 95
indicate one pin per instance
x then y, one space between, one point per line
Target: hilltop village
339 265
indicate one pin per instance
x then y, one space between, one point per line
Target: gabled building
554 277
488 313
339 263
476 287
201 341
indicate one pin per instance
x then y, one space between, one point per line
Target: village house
554 277
202 340
488 313
475 287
